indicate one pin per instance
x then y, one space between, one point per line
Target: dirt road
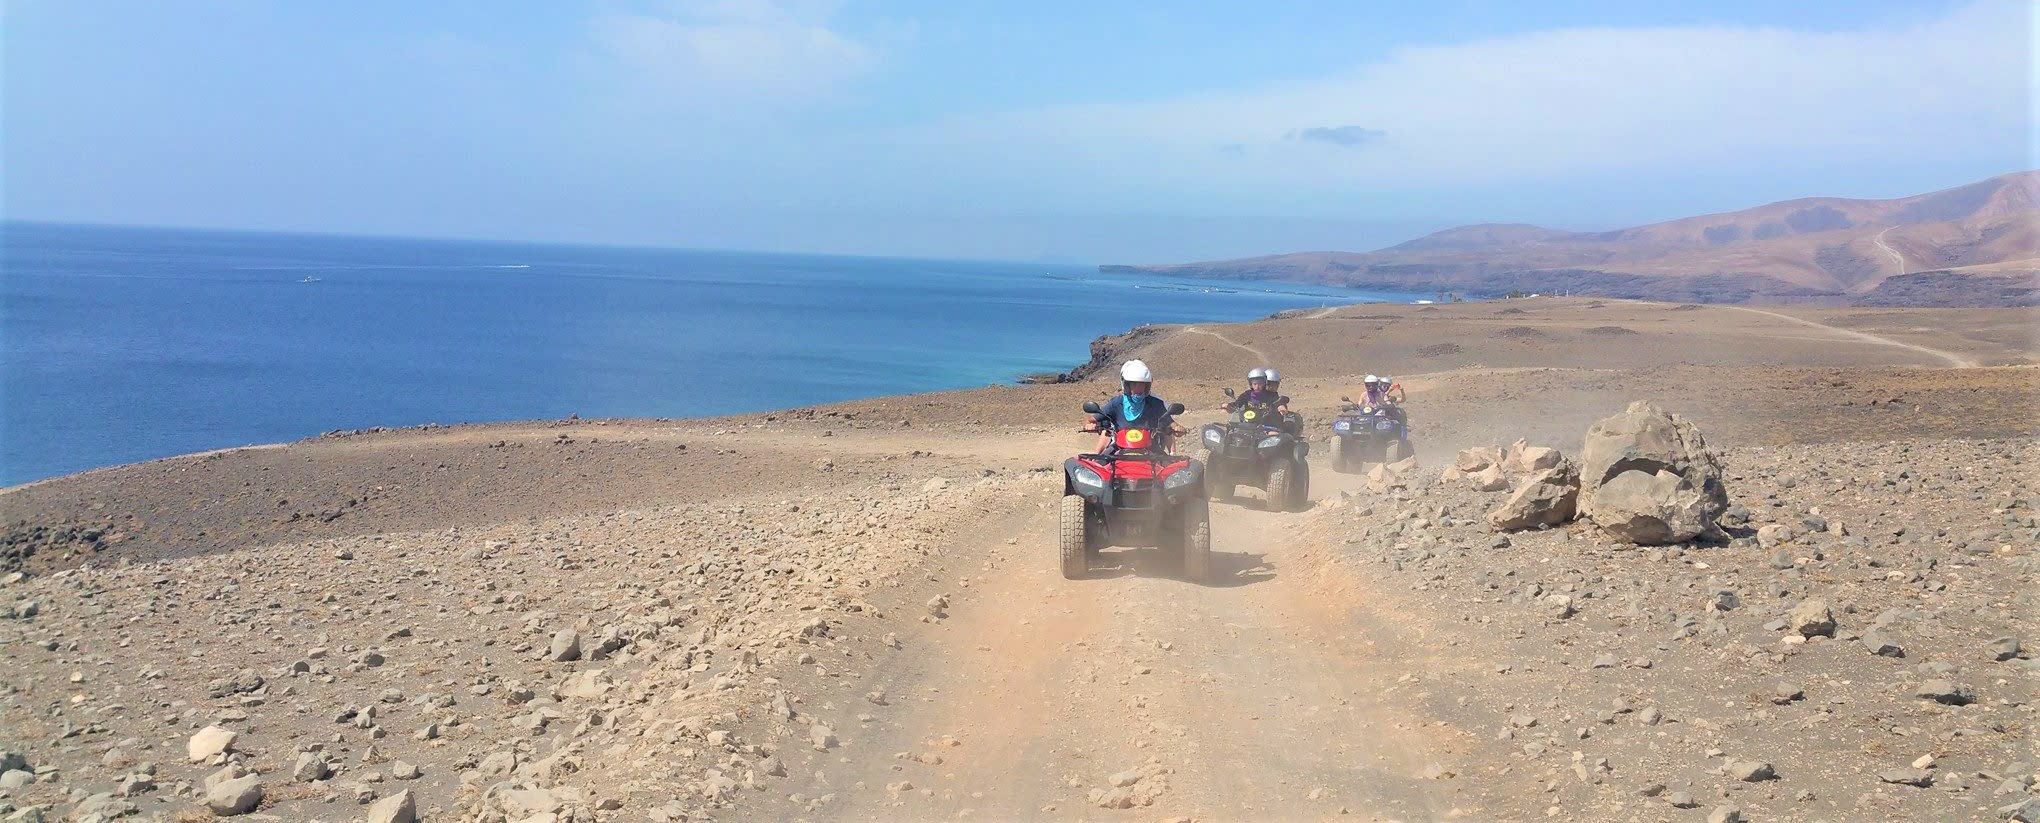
1259 695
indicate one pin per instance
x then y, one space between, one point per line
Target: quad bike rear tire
1279 478
1073 537
1196 545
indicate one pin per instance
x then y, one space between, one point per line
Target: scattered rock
1811 618
1880 643
565 646
1547 498
230 796
397 808
209 742
1944 691
1751 771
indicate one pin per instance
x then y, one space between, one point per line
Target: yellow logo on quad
1135 436
1249 415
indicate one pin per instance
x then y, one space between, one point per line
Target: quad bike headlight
1342 426
1271 441
1213 437
1182 477
1087 478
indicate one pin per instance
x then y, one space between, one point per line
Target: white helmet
1258 374
1371 379
1136 372
1273 376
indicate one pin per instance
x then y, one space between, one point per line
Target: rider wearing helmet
1291 421
1134 407
1259 394
1385 393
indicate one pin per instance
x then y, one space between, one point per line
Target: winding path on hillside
1257 353
1953 359
1879 240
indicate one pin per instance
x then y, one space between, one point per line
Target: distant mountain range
1977 244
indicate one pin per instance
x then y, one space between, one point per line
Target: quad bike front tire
1196 545
1215 487
1299 488
1396 450
1279 479
1341 457
1073 537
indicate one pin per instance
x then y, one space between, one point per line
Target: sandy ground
852 611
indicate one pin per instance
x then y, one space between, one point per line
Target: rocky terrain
1973 245
1797 586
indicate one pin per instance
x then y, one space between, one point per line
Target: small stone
1783 693
566 645
1811 618
402 770
311 766
1681 800
1606 661
1880 643
209 741
822 738
1925 761
1907 777
2004 648
1725 814
397 808
1751 771
234 795
1943 691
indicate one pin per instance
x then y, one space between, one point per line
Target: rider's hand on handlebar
1089 426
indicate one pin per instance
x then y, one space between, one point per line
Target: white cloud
718 49
1542 106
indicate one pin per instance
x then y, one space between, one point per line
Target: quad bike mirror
1228 391
1345 399
1175 408
1091 406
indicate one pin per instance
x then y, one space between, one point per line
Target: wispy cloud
1345 136
724 48
1538 106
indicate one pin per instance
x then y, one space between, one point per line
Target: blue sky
1045 130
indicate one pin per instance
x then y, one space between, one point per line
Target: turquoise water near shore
125 344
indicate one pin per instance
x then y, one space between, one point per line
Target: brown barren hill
1977 244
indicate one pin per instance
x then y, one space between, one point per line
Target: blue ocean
125 344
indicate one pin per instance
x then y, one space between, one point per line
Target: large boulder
1650 509
1547 498
1647 476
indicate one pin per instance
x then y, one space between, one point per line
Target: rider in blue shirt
1135 407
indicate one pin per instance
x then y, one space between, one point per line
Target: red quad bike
1136 494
